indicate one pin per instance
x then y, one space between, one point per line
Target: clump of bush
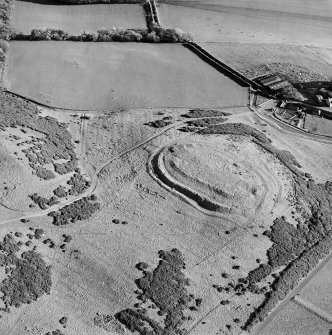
39 233
42 202
202 123
29 278
201 113
79 210
165 286
108 323
67 167
42 173
9 245
166 121
236 129
60 192
78 184
57 143
55 332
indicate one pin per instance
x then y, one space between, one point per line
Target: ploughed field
117 75
76 19
298 22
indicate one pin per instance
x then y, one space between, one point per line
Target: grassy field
251 58
296 320
318 125
254 22
75 19
317 292
118 75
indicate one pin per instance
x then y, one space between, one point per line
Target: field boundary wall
222 67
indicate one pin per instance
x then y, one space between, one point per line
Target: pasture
118 75
318 125
255 58
294 22
78 18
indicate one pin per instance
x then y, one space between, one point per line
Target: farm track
97 174
288 129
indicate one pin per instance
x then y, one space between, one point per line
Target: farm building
274 82
328 102
271 79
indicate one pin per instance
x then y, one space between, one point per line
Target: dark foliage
63 320
29 279
79 210
42 202
6 9
9 245
67 238
166 121
60 192
299 248
236 129
155 34
57 143
39 233
78 184
142 266
42 173
205 122
201 113
166 288
64 168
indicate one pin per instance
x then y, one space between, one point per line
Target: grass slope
117 75
254 22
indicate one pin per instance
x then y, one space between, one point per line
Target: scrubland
132 209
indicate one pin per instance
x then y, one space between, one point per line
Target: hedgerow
155 34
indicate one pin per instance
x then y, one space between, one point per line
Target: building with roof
274 82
